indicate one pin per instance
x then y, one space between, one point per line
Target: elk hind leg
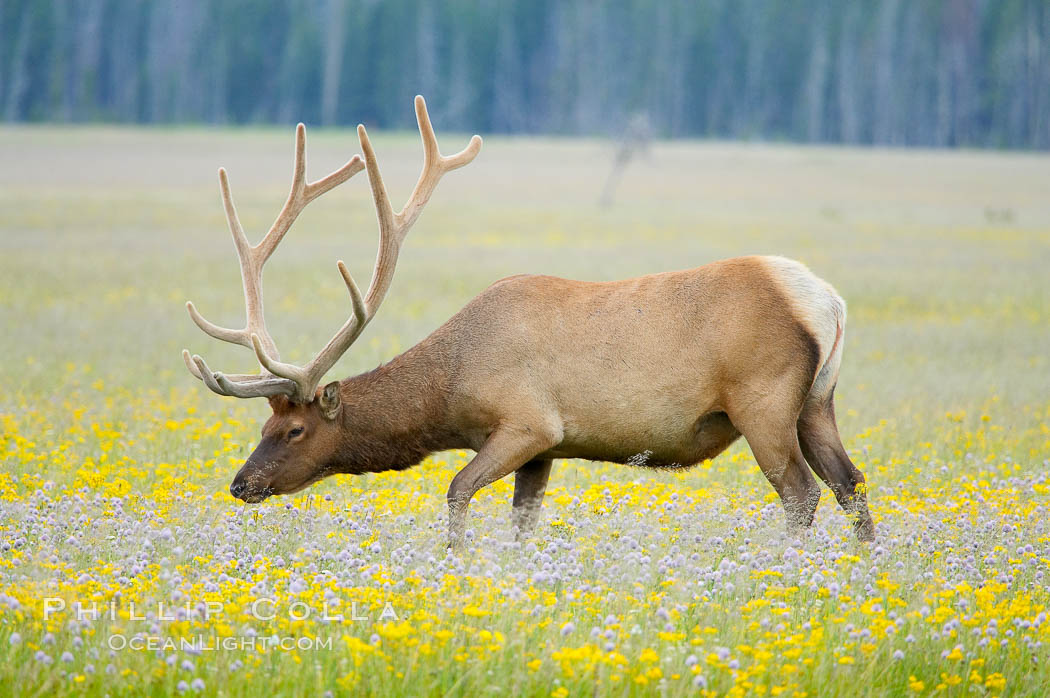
821 444
777 451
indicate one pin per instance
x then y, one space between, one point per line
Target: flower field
126 568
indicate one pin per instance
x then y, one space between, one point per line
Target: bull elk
661 370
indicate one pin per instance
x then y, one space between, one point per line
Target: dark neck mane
394 416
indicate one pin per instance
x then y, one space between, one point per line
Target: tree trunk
334 43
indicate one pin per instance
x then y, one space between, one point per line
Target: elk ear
329 401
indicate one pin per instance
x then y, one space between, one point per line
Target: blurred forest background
896 72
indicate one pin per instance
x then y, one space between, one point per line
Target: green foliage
931 72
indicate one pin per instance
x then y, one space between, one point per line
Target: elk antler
252 259
300 383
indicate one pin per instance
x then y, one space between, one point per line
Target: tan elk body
662 370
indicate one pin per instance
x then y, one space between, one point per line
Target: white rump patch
820 310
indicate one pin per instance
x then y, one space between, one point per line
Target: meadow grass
637 582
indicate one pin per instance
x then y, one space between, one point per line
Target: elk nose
237 488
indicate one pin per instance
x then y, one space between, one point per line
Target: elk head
302 441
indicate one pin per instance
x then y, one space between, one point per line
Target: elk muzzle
276 466
249 485
258 477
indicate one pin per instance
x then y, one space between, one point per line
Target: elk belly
636 438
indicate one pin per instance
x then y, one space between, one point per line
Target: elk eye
296 431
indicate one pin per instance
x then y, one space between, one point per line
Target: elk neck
394 416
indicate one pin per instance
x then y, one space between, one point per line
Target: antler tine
240 242
293 205
346 335
190 366
207 375
360 309
352 167
239 239
261 387
251 263
384 211
223 333
308 377
431 152
238 385
434 165
234 377
393 227
302 193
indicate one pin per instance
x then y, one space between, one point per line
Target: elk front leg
530 484
506 450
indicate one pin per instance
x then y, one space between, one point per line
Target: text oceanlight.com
213 643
